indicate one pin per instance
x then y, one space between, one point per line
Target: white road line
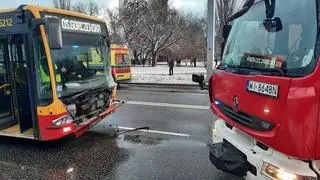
168 105
156 132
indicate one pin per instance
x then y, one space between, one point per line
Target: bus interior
15 108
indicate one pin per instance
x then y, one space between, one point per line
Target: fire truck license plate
263 88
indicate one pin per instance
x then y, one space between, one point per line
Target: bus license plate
263 88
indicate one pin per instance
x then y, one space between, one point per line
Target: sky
196 7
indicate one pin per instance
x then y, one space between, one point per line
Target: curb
181 86
161 84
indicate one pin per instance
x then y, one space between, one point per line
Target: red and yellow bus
120 63
50 85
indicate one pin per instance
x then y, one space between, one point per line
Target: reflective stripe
44 77
58 76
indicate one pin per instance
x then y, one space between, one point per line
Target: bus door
15 110
19 79
7 118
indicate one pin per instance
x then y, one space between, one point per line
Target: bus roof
37 9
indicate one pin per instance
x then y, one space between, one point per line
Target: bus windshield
290 49
82 64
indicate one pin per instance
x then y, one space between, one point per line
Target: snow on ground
160 74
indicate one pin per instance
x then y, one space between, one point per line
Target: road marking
168 105
156 132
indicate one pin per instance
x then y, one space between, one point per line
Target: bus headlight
276 173
63 120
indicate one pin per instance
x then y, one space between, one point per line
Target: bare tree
193 43
80 7
62 4
159 25
93 8
151 28
224 9
89 7
130 20
115 31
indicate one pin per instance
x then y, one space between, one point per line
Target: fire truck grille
245 119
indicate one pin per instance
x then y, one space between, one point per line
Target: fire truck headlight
276 173
214 132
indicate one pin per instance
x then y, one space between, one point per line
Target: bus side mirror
54 32
226 31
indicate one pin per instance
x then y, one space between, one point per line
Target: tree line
151 29
89 7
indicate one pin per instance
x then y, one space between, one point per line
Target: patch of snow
160 74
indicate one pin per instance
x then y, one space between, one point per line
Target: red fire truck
266 92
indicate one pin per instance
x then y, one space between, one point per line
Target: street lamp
210 37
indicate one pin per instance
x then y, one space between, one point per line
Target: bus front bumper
83 127
259 163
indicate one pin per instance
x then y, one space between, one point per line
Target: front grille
245 119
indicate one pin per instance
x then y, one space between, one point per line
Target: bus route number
5 22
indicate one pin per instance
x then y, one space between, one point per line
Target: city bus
120 63
50 86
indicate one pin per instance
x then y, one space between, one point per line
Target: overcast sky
196 7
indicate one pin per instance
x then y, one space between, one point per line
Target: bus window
43 76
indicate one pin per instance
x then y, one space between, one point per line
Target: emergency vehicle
266 92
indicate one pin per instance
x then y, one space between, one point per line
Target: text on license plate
263 88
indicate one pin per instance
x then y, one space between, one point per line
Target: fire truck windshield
290 49
81 64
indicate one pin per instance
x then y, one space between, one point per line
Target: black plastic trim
245 119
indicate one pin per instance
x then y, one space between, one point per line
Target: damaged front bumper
235 152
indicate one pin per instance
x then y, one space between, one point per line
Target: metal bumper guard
83 127
254 155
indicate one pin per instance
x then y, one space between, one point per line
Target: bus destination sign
78 25
75 25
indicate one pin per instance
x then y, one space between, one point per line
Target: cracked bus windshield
81 64
290 49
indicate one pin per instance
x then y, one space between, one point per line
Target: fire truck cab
266 92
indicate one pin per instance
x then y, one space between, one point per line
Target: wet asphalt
133 155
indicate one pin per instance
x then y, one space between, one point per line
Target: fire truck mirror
53 27
273 25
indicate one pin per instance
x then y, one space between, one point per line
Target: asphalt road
175 147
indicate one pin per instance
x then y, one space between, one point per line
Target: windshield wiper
256 71
266 71
245 8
